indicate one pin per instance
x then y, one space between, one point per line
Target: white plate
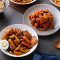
54 3
22 27
23 3
56 18
6 4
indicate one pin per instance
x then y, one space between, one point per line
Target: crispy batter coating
9 31
42 19
17 31
36 25
5 36
27 34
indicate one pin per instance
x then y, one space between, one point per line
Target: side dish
20 42
1 6
22 1
4 44
56 2
42 19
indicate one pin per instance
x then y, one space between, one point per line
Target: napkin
45 56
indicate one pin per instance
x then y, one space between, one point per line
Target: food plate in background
23 3
54 3
54 11
19 26
5 3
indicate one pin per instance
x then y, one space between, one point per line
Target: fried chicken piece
51 25
46 10
9 31
42 20
38 20
33 21
36 25
5 36
46 25
32 16
37 14
49 14
41 11
42 29
45 16
17 31
50 17
27 34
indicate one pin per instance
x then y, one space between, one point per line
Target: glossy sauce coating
42 20
19 41
26 45
11 43
27 40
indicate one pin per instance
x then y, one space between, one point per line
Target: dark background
11 16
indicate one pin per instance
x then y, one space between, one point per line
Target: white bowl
54 3
6 4
23 3
54 11
22 27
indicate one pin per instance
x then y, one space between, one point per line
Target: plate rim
54 3
24 3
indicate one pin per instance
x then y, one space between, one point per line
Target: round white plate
56 18
54 3
22 27
6 4
23 3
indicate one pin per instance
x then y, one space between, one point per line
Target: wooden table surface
12 16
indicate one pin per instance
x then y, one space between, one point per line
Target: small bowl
23 3
6 4
54 3
25 27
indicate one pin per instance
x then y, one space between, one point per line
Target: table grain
11 16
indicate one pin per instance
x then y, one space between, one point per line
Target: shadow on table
4 21
52 35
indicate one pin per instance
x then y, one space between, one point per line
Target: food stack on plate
1 6
20 40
